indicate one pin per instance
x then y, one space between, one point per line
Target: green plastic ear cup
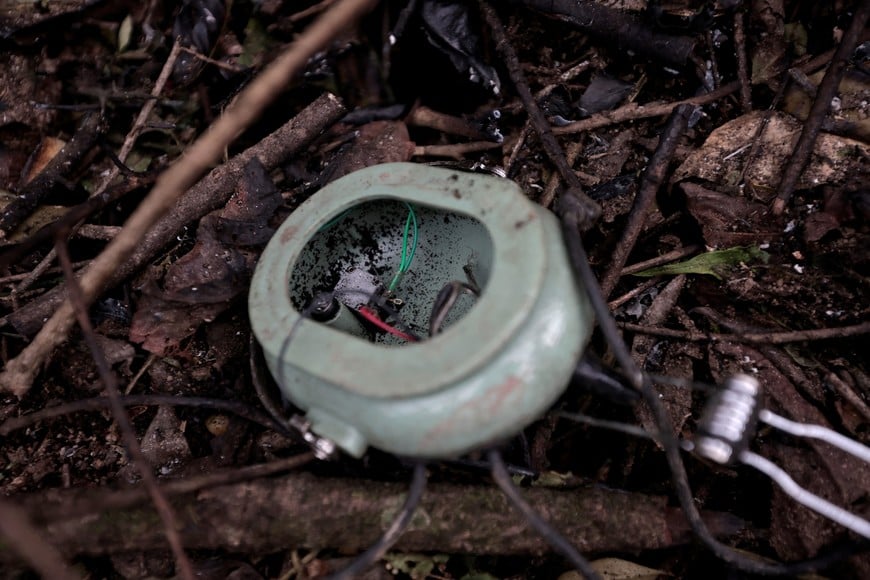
500 361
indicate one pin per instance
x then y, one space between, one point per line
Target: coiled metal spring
729 420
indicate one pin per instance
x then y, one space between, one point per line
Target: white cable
850 446
834 513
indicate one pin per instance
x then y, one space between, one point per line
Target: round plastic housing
501 359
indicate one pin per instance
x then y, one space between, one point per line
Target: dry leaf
724 155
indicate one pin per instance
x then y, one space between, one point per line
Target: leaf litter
805 270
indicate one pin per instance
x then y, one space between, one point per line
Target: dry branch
772 337
618 27
826 92
587 210
20 535
208 194
60 167
653 177
122 419
205 152
300 510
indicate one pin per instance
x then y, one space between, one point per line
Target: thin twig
666 258
34 275
454 150
145 111
617 302
423 116
742 68
210 193
98 403
66 160
754 337
221 65
207 150
849 394
148 362
585 206
573 153
17 531
635 111
133 496
311 11
827 90
167 515
17 277
653 177
519 145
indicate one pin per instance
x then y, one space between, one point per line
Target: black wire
444 302
487 466
577 253
376 551
258 380
682 383
378 300
617 426
554 538
680 480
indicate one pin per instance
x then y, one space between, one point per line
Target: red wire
373 318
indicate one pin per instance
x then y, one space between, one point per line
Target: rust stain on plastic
478 410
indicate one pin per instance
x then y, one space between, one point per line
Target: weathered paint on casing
483 379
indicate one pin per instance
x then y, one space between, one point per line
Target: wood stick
303 511
171 185
208 194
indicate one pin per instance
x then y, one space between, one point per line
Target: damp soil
803 270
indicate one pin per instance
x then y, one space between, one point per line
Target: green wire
407 257
413 216
334 220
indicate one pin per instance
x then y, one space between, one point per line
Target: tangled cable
572 218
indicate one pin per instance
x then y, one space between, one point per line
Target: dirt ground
732 238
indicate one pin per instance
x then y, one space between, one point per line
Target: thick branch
210 193
300 510
618 27
61 165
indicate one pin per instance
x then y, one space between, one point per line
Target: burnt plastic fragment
603 94
616 187
197 26
447 28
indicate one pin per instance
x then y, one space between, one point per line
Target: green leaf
796 35
553 479
257 43
711 263
618 569
417 566
124 33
